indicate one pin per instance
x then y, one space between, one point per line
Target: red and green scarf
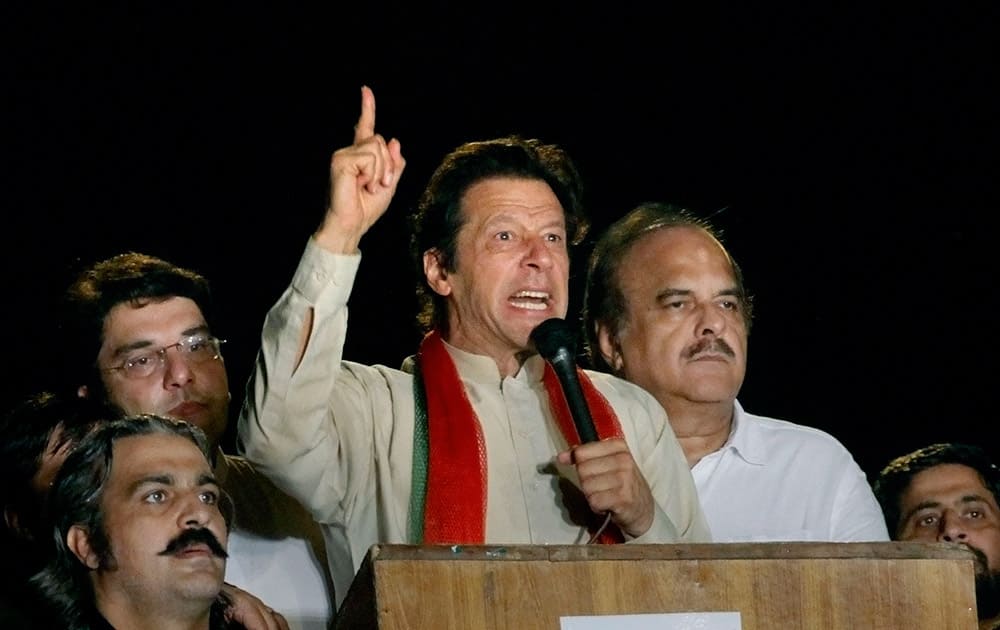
448 498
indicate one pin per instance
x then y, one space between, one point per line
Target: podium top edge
690 551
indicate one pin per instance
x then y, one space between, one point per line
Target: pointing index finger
366 121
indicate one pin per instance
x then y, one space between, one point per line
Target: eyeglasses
145 362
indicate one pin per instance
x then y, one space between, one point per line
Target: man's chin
722 392
211 421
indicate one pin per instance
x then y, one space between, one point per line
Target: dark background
847 154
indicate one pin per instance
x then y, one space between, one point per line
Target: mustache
710 344
982 562
197 536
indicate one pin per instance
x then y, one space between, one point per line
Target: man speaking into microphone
458 446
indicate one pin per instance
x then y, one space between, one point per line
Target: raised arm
290 397
363 179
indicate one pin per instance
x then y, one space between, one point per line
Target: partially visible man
36 435
140 337
666 309
139 528
949 493
459 445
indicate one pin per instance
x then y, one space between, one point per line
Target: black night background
847 153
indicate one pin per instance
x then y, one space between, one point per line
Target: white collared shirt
778 481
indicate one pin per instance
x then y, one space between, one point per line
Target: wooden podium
822 586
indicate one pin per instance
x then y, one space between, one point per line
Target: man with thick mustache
36 435
466 442
141 527
667 310
948 493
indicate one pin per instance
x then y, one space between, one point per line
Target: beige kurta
339 435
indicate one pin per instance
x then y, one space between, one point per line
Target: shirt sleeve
673 486
288 426
857 516
679 516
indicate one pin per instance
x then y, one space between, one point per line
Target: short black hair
25 432
895 478
128 278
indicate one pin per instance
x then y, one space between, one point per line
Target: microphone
556 343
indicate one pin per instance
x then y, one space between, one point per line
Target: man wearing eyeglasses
138 330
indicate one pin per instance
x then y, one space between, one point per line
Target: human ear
609 347
435 272
78 541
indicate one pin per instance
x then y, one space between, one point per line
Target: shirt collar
483 369
743 440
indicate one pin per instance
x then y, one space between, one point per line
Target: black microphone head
552 336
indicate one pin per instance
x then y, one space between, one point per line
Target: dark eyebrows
501 218
204 479
669 292
135 345
146 343
162 480
559 224
923 505
196 330
904 519
974 498
509 217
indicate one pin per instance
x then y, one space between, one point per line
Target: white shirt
778 481
284 574
276 550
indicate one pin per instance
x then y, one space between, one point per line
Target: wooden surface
772 585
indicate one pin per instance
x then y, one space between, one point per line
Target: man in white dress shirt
666 309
